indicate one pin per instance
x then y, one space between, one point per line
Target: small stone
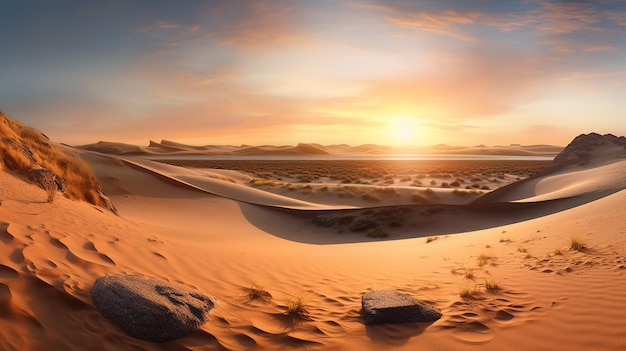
391 306
149 309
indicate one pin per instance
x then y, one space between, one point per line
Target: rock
149 309
391 306
107 202
44 179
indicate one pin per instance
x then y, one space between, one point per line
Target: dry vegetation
256 291
297 307
24 148
457 174
576 243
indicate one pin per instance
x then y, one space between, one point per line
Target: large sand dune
197 228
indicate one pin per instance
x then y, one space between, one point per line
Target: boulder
149 309
391 306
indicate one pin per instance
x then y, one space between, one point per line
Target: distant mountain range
166 147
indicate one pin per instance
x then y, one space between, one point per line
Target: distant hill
172 148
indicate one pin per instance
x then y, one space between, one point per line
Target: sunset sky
323 71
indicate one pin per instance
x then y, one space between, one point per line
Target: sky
319 71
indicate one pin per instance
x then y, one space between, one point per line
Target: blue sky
283 72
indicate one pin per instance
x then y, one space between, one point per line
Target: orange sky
283 72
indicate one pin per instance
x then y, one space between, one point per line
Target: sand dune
166 147
207 230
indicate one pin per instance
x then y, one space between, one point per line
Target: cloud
448 23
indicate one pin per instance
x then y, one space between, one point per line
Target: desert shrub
445 185
469 291
484 259
491 285
256 291
576 243
430 239
455 184
297 307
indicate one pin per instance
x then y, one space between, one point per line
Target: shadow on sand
453 220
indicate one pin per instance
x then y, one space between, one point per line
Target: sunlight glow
403 131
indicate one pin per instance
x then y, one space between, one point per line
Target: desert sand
500 267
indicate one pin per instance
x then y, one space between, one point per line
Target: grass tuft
256 291
470 291
484 259
491 285
576 243
297 307
431 239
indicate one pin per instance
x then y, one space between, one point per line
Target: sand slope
171 226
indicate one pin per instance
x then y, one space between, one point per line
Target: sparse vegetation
256 291
470 291
576 243
431 239
484 259
23 148
522 249
469 274
491 284
297 307
557 252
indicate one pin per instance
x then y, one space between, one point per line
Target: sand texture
289 272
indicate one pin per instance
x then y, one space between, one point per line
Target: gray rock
44 179
149 309
391 306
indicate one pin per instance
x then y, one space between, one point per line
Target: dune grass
577 243
256 291
430 239
297 307
80 182
470 291
491 284
484 259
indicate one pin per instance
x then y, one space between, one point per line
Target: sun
403 131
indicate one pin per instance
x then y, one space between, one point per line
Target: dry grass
576 243
430 239
557 252
80 182
256 291
469 274
470 291
491 284
522 249
297 307
484 259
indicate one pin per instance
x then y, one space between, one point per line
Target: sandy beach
499 266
